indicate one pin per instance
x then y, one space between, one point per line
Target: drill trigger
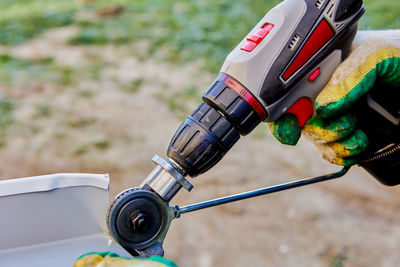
302 109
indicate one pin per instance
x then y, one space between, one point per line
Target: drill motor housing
280 67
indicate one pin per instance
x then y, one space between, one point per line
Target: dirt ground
94 126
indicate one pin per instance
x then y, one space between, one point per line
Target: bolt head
140 222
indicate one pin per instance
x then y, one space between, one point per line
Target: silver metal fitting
165 179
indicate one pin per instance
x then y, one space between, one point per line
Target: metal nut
140 222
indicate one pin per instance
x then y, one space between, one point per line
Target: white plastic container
51 220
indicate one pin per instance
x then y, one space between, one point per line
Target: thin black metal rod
259 192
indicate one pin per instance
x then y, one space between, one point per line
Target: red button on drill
249 46
268 27
314 75
258 36
254 39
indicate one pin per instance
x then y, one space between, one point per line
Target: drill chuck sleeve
202 140
229 110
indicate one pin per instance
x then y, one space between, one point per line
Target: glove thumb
286 129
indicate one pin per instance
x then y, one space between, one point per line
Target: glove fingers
105 259
331 130
345 152
389 71
351 146
349 161
286 129
353 78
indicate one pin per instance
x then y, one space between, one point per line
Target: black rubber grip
232 105
384 165
382 158
202 140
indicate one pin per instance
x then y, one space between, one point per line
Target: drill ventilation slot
319 3
294 42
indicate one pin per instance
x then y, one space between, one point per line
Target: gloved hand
333 129
108 259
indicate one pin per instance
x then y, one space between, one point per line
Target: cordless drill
278 68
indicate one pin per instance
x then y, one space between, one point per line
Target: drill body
278 68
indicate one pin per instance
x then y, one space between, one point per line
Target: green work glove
375 56
108 259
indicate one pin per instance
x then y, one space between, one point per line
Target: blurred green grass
189 30
13 70
21 20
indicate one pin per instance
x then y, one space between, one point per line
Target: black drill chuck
202 140
212 128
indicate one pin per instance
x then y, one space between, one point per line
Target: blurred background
101 86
